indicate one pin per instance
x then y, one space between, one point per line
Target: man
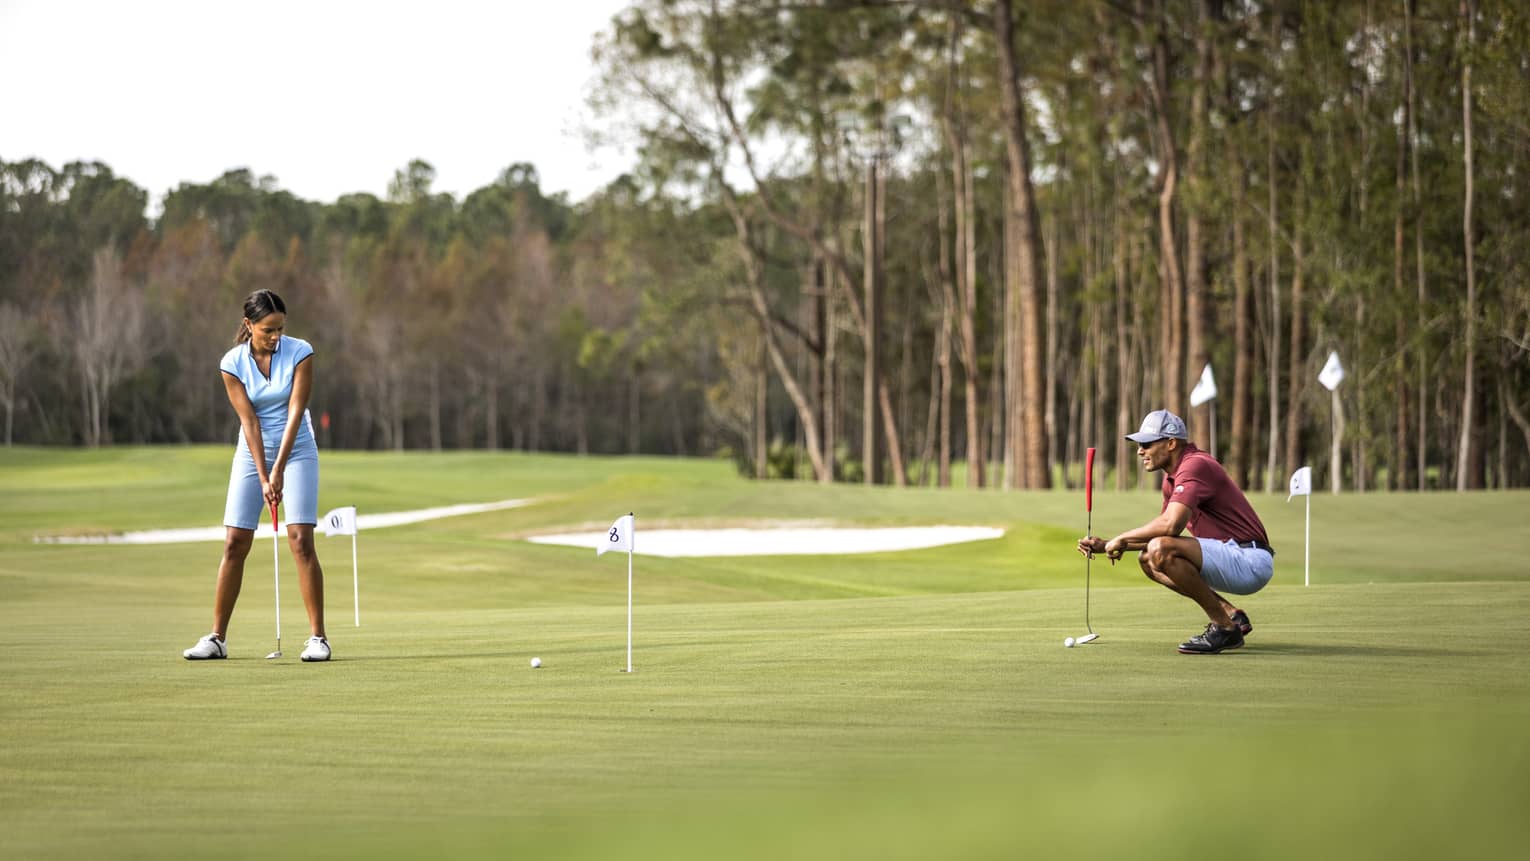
1230 551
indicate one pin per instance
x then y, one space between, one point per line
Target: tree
106 331
16 350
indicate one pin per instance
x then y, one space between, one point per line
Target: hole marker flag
1301 483
342 521
1333 372
618 537
1204 390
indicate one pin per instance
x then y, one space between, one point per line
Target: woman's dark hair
256 307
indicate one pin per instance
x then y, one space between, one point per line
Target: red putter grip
1089 480
273 505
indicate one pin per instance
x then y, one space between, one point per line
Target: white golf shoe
316 649
208 648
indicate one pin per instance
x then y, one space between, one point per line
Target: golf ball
537 662
1068 643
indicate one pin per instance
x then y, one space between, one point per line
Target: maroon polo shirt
1218 509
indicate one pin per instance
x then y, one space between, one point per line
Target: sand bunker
364 522
804 541
768 541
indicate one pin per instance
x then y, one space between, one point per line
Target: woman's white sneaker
316 649
207 648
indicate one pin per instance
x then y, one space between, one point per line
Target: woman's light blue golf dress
269 397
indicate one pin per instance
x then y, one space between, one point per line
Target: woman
268 376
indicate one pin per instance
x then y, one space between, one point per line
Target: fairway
889 705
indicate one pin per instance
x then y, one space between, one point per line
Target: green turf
905 705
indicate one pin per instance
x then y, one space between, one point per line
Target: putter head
274 655
1087 638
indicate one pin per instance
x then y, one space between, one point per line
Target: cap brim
1143 438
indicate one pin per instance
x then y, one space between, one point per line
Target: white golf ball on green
1068 643
537 662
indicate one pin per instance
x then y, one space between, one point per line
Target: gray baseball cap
1159 424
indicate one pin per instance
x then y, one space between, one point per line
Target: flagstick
1307 547
1213 427
355 580
629 611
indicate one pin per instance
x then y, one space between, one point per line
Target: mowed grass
905 705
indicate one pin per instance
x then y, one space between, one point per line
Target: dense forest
921 242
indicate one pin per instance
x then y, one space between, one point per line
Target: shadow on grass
1350 650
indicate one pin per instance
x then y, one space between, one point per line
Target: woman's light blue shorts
1226 567
300 486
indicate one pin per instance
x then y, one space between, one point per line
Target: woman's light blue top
269 395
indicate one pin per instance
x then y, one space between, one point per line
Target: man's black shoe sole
1185 651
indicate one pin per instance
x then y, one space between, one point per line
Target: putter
1088 533
276 567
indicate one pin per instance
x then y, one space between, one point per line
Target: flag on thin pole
619 537
1301 485
342 521
1333 372
1206 390
1331 376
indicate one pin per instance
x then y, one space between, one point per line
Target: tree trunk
435 405
634 408
1399 459
1295 378
1195 252
946 298
491 411
1272 478
871 455
1167 185
1026 431
829 405
892 436
1049 239
761 405
977 458
1124 351
1410 84
1241 456
1466 476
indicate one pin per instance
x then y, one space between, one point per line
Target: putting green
909 705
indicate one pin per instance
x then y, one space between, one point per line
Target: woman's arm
302 384
250 426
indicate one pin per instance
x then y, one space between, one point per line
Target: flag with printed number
618 537
1301 483
341 521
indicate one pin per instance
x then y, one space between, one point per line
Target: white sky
329 97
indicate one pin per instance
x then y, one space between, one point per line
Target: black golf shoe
1240 619
1212 641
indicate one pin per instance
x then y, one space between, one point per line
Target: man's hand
1114 549
1091 545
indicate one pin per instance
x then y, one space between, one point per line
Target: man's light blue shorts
1226 567
300 487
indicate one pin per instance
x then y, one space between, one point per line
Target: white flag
341 521
1301 482
1204 390
618 537
1332 374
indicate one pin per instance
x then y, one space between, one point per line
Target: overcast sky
329 97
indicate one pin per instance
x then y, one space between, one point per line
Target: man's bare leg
1176 563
